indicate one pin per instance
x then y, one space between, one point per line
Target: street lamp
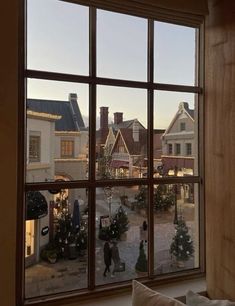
108 191
175 173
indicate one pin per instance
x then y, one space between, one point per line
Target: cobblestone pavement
66 275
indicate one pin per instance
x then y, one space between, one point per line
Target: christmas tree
142 197
118 226
142 264
182 245
163 199
121 220
66 232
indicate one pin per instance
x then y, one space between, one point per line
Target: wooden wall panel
8 151
220 149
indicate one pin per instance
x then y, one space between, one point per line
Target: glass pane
57 36
175 134
57 131
175 54
176 229
121 233
121 46
122 135
56 241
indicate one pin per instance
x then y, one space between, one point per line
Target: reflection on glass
57 36
175 54
121 141
56 241
121 46
121 233
175 134
176 228
57 131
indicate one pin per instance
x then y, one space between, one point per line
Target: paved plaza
44 278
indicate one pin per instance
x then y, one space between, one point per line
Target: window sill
175 289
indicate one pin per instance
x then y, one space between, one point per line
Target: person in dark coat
107 257
115 256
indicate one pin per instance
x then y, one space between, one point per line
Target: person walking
107 257
144 232
115 257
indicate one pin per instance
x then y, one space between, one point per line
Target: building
179 143
70 138
219 149
40 167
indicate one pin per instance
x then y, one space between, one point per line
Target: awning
119 164
171 162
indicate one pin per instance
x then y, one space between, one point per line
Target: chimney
118 117
73 99
135 133
104 112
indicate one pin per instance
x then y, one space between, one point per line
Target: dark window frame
177 149
188 148
170 148
91 184
35 157
182 126
64 148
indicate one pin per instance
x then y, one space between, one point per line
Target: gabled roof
71 118
134 147
123 124
183 108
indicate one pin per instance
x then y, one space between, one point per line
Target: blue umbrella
76 214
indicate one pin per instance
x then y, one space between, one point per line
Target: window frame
93 81
37 139
65 148
188 149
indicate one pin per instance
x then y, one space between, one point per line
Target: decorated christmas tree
163 199
118 226
68 233
182 245
121 220
142 264
142 197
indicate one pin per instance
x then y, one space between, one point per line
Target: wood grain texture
220 149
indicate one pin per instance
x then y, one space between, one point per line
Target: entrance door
30 242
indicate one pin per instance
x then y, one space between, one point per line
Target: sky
58 41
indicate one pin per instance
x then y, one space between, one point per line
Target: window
34 148
83 199
170 148
177 149
188 149
67 148
182 126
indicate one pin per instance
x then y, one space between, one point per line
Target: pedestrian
107 257
144 231
115 257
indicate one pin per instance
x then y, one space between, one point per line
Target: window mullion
150 146
92 147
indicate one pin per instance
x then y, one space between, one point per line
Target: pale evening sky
58 42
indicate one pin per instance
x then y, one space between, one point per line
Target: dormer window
182 126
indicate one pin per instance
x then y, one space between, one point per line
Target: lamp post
108 191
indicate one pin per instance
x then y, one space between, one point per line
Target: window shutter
180 11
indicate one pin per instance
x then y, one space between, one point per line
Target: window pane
56 230
175 134
57 131
176 229
122 135
121 233
175 54
57 36
121 46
